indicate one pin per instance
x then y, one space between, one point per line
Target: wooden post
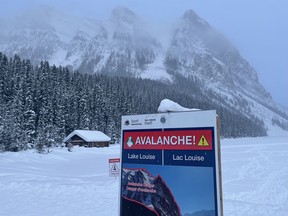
218 123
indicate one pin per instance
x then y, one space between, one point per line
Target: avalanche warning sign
114 166
169 159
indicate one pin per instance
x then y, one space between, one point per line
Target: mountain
198 59
121 47
45 34
139 186
200 50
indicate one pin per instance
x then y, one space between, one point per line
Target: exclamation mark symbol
194 140
203 141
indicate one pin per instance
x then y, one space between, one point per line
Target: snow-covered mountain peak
191 18
121 14
123 46
48 19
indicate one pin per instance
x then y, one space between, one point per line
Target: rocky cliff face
120 47
138 186
197 49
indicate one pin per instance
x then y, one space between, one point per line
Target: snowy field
77 183
255 176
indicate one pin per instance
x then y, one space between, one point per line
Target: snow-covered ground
77 183
255 176
59 183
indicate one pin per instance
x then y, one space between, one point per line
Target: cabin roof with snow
89 136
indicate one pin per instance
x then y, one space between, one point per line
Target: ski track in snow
255 176
62 183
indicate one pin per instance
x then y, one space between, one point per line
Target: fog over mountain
123 46
264 47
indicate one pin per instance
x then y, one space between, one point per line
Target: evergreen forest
40 105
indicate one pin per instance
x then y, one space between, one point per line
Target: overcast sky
258 28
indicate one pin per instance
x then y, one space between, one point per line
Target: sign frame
174 140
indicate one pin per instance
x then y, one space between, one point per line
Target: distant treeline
40 105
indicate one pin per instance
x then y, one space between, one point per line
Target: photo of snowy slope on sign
171 190
140 188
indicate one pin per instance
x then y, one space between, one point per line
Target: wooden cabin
87 138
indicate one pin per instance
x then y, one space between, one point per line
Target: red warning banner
114 160
188 139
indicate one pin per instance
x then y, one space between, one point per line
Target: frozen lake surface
62 183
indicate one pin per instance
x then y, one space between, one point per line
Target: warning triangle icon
114 168
203 141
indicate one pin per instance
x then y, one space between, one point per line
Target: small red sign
114 160
188 139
